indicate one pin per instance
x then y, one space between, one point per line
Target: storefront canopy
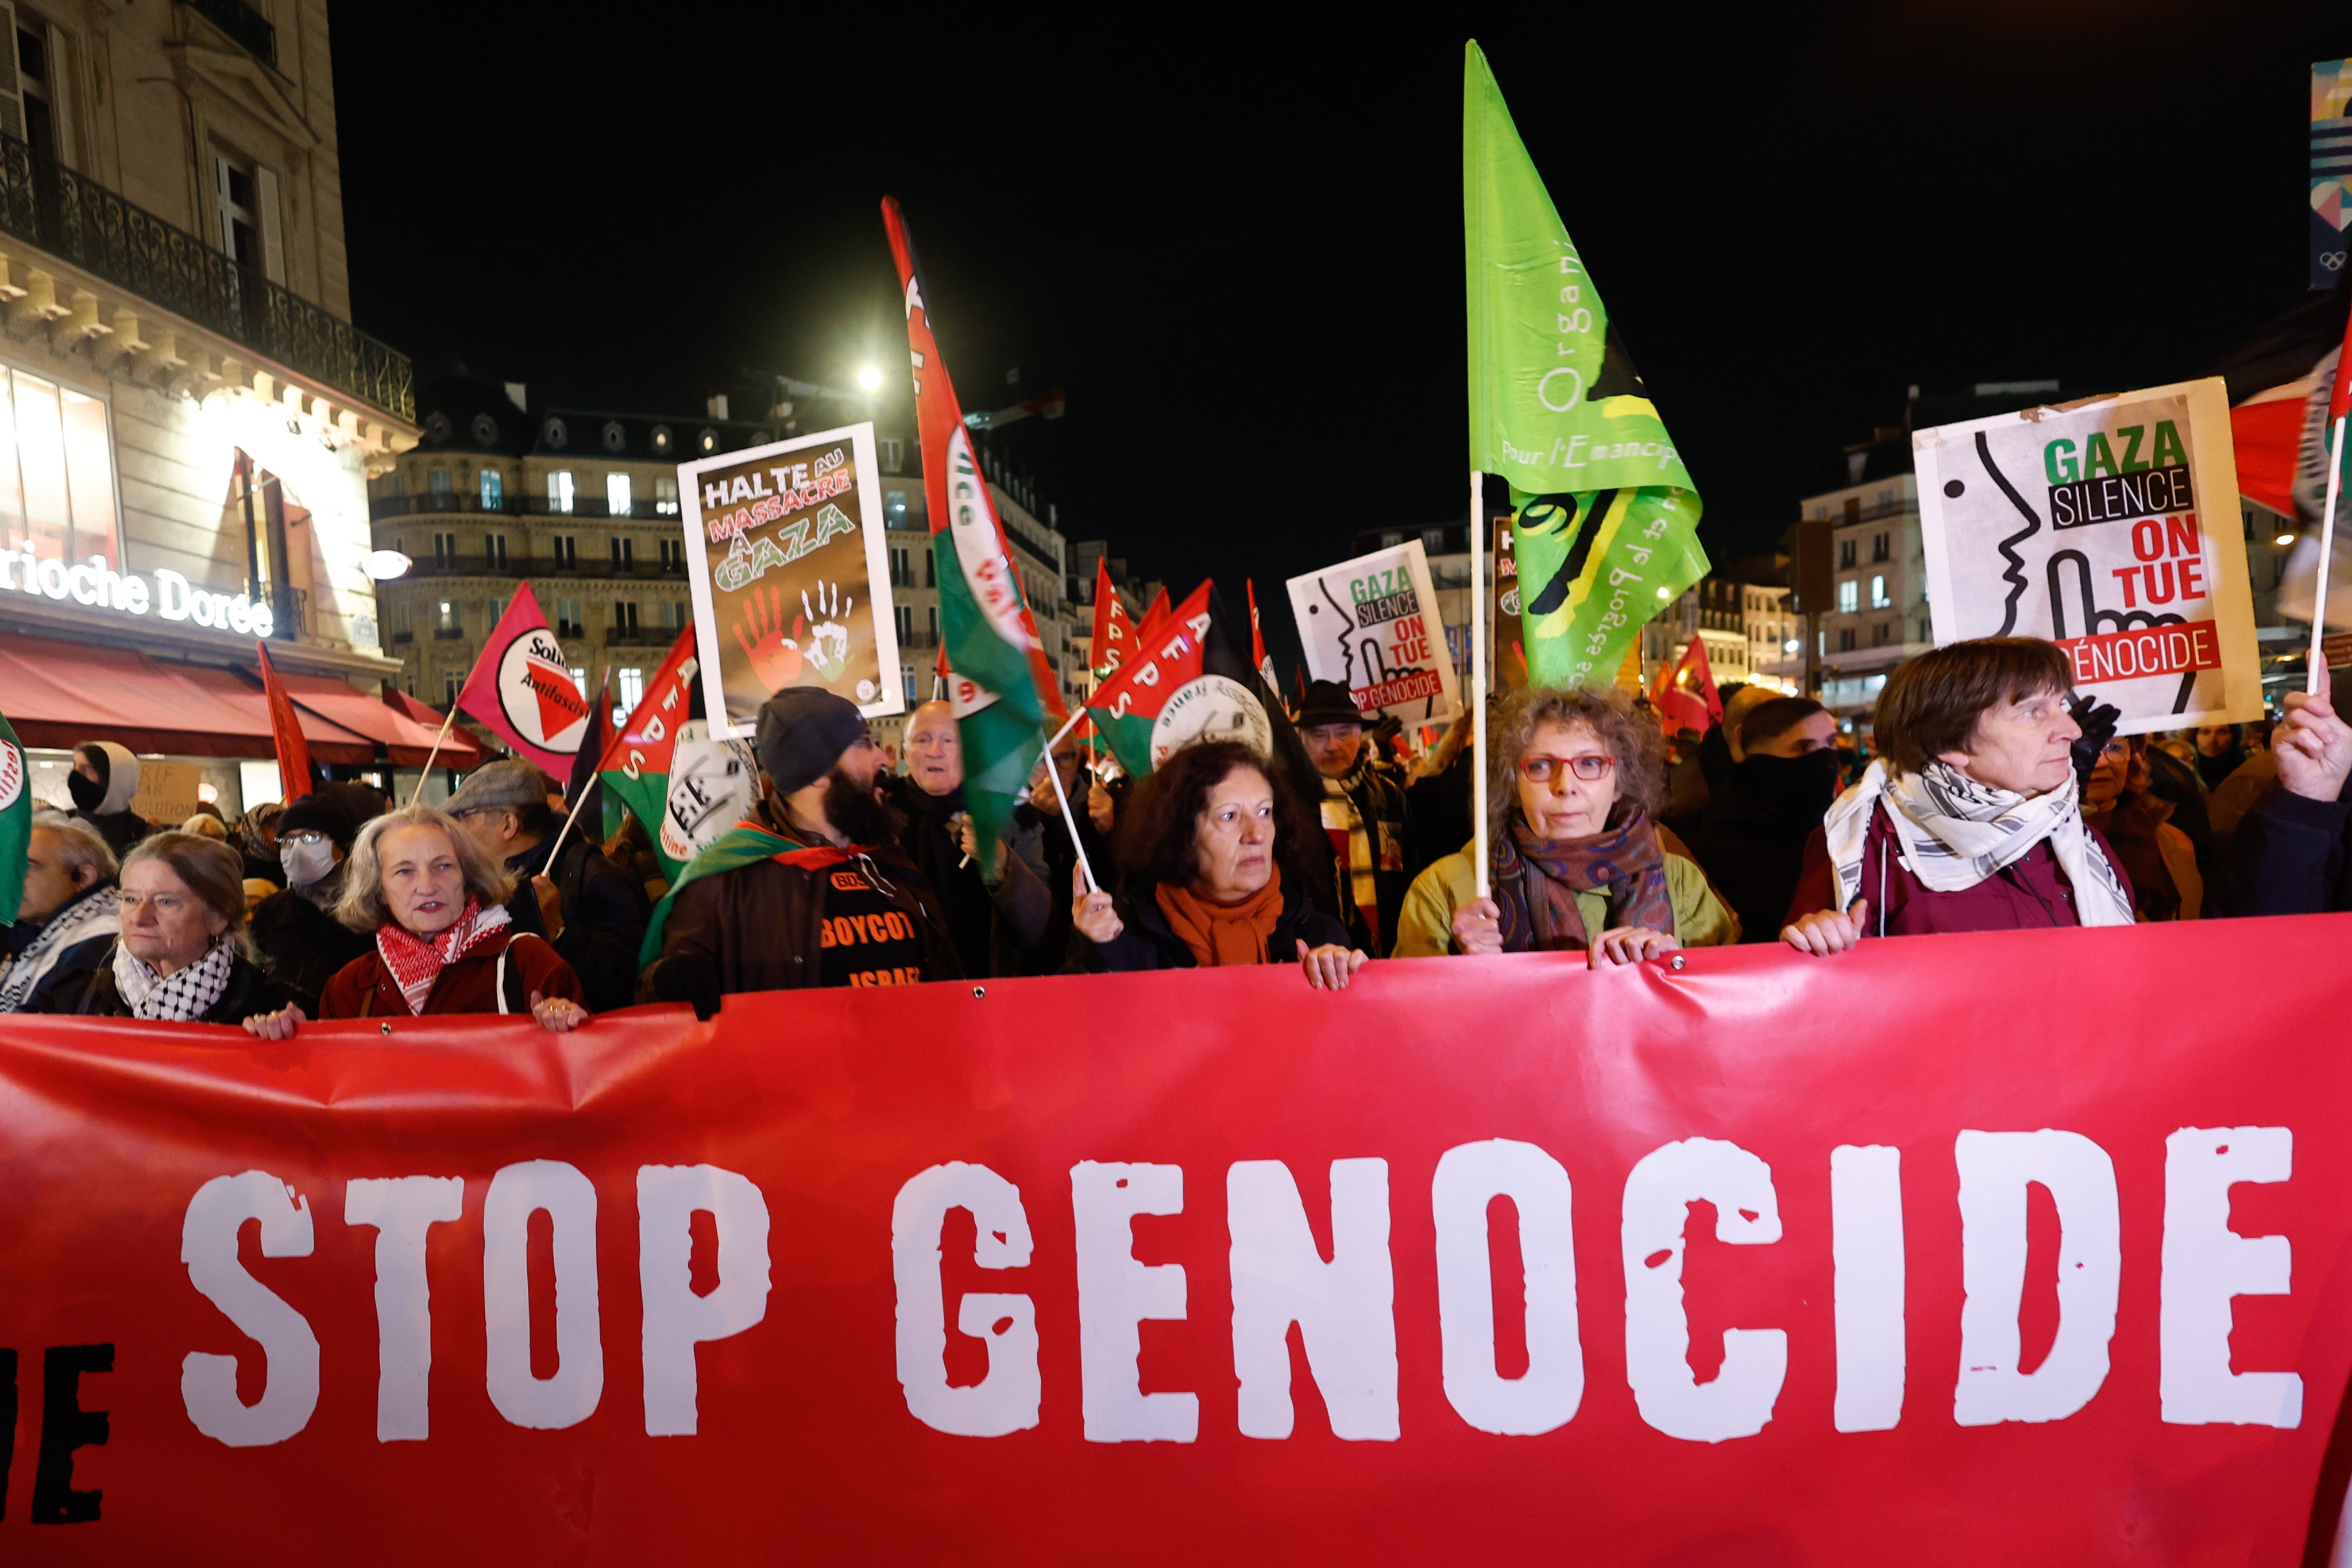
61 694
405 727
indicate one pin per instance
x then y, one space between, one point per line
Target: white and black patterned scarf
94 915
181 997
1954 832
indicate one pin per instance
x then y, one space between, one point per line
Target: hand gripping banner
1761 1260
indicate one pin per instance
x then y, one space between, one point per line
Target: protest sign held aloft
2088 525
1371 625
791 585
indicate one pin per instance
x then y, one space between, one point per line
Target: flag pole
1067 820
1478 679
426 771
2315 669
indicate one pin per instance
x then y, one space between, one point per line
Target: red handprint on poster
775 658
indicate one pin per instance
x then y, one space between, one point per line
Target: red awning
408 737
61 694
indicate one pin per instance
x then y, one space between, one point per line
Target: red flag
1113 637
1685 695
1257 640
648 738
285 732
2339 401
1157 613
520 689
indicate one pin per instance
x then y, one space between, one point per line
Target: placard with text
2109 526
1371 625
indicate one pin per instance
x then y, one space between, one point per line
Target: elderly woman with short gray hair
436 906
183 957
1576 862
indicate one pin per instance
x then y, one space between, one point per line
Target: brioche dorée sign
1765 1259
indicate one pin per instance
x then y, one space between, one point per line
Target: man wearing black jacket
1374 854
590 911
2289 855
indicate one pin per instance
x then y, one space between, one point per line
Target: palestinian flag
2284 388
988 634
1186 682
15 822
636 766
1606 515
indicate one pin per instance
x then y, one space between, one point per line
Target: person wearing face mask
300 941
182 957
1779 776
434 907
1575 860
813 888
68 919
1213 847
104 778
1971 817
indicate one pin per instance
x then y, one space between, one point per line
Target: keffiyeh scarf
1954 832
181 997
414 963
1537 882
95 915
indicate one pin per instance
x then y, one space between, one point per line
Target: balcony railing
513 566
69 216
242 22
383 507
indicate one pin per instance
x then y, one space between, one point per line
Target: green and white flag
15 822
1606 518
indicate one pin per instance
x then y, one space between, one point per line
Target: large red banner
2003 1249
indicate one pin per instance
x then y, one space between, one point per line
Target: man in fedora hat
1363 812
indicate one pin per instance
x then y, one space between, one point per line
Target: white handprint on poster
2111 527
782 543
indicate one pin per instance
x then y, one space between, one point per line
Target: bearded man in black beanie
812 888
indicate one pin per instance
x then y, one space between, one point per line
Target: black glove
2099 728
688 977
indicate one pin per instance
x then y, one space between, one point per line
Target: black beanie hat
337 810
802 731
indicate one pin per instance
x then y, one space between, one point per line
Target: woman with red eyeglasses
1576 863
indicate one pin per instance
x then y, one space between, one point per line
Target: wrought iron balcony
650 511
71 217
242 22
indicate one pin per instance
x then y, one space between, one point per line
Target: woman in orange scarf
1211 844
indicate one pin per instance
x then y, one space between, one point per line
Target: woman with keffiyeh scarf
1577 864
1971 817
436 906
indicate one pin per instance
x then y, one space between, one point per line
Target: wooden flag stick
426 771
1478 679
2315 669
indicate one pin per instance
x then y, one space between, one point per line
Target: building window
439 483
448 691
580 683
894 453
1821 643
675 613
904 616
1845 554
673 554
666 497
1845 639
1849 595
898 565
567 618
247 196
1881 547
625 616
559 490
1878 599
931 622
907 672
494 545
567 550
57 472
445 551
445 623
625 552
894 502
633 691
1879 633
616 495
494 490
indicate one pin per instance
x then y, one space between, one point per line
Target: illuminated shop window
57 472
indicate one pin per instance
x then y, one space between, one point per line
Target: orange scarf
1219 934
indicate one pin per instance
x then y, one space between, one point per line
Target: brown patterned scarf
1537 882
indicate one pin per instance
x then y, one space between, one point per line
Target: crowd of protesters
1992 798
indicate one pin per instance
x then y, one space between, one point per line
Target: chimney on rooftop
514 396
717 406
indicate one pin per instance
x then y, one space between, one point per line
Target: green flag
1605 519
15 822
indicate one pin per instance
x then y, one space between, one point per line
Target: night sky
1238 250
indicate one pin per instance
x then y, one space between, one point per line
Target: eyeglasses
1591 768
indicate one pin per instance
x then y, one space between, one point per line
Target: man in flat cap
813 888
589 909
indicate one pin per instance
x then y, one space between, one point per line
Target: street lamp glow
2284 539
869 379
1663 594
383 566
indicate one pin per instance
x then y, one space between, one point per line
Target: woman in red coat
437 906
1971 819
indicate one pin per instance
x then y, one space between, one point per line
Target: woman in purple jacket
1970 819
